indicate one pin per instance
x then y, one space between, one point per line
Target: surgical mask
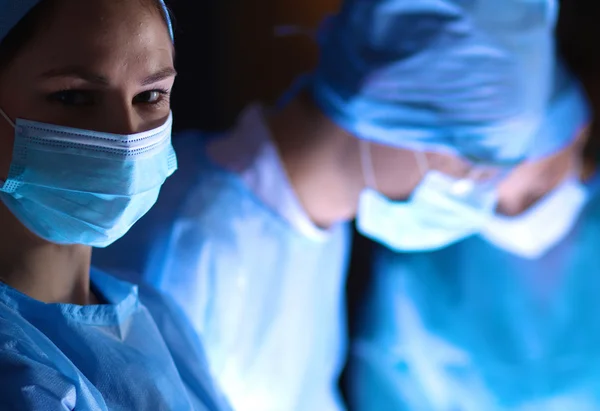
73 186
442 209
533 233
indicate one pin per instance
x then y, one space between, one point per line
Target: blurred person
482 294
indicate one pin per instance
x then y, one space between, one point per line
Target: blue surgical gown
474 328
136 352
264 290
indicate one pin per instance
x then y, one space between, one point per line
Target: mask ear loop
422 162
366 162
3 114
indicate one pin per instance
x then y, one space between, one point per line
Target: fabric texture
74 186
122 355
12 11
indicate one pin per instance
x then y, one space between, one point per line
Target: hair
37 19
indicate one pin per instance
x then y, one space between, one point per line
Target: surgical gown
474 328
136 352
262 285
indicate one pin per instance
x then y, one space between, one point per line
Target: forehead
103 34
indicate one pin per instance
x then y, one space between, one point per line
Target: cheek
522 189
17 102
396 171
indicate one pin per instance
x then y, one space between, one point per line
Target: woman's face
101 65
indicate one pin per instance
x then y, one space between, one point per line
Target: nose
123 119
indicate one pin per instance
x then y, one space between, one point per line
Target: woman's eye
72 98
150 96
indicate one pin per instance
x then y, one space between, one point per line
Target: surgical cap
477 78
12 11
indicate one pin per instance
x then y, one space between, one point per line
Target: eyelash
164 93
164 97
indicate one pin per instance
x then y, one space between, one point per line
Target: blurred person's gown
263 287
475 328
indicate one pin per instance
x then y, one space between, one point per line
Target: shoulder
34 375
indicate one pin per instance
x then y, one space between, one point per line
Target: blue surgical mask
442 210
533 233
73 186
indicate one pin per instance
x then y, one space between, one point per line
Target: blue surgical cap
477 78
12 11
567 113
168 18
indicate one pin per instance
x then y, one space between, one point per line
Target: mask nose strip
367 165
3 114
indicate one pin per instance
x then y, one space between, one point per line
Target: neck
321 159
46 272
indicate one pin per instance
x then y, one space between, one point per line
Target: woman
72 337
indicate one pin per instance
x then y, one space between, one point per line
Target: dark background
229 56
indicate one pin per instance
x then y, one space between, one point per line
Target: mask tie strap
3 114
366 161
2 181
422 162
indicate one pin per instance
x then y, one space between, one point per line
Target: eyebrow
90 77
76 71
159 75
